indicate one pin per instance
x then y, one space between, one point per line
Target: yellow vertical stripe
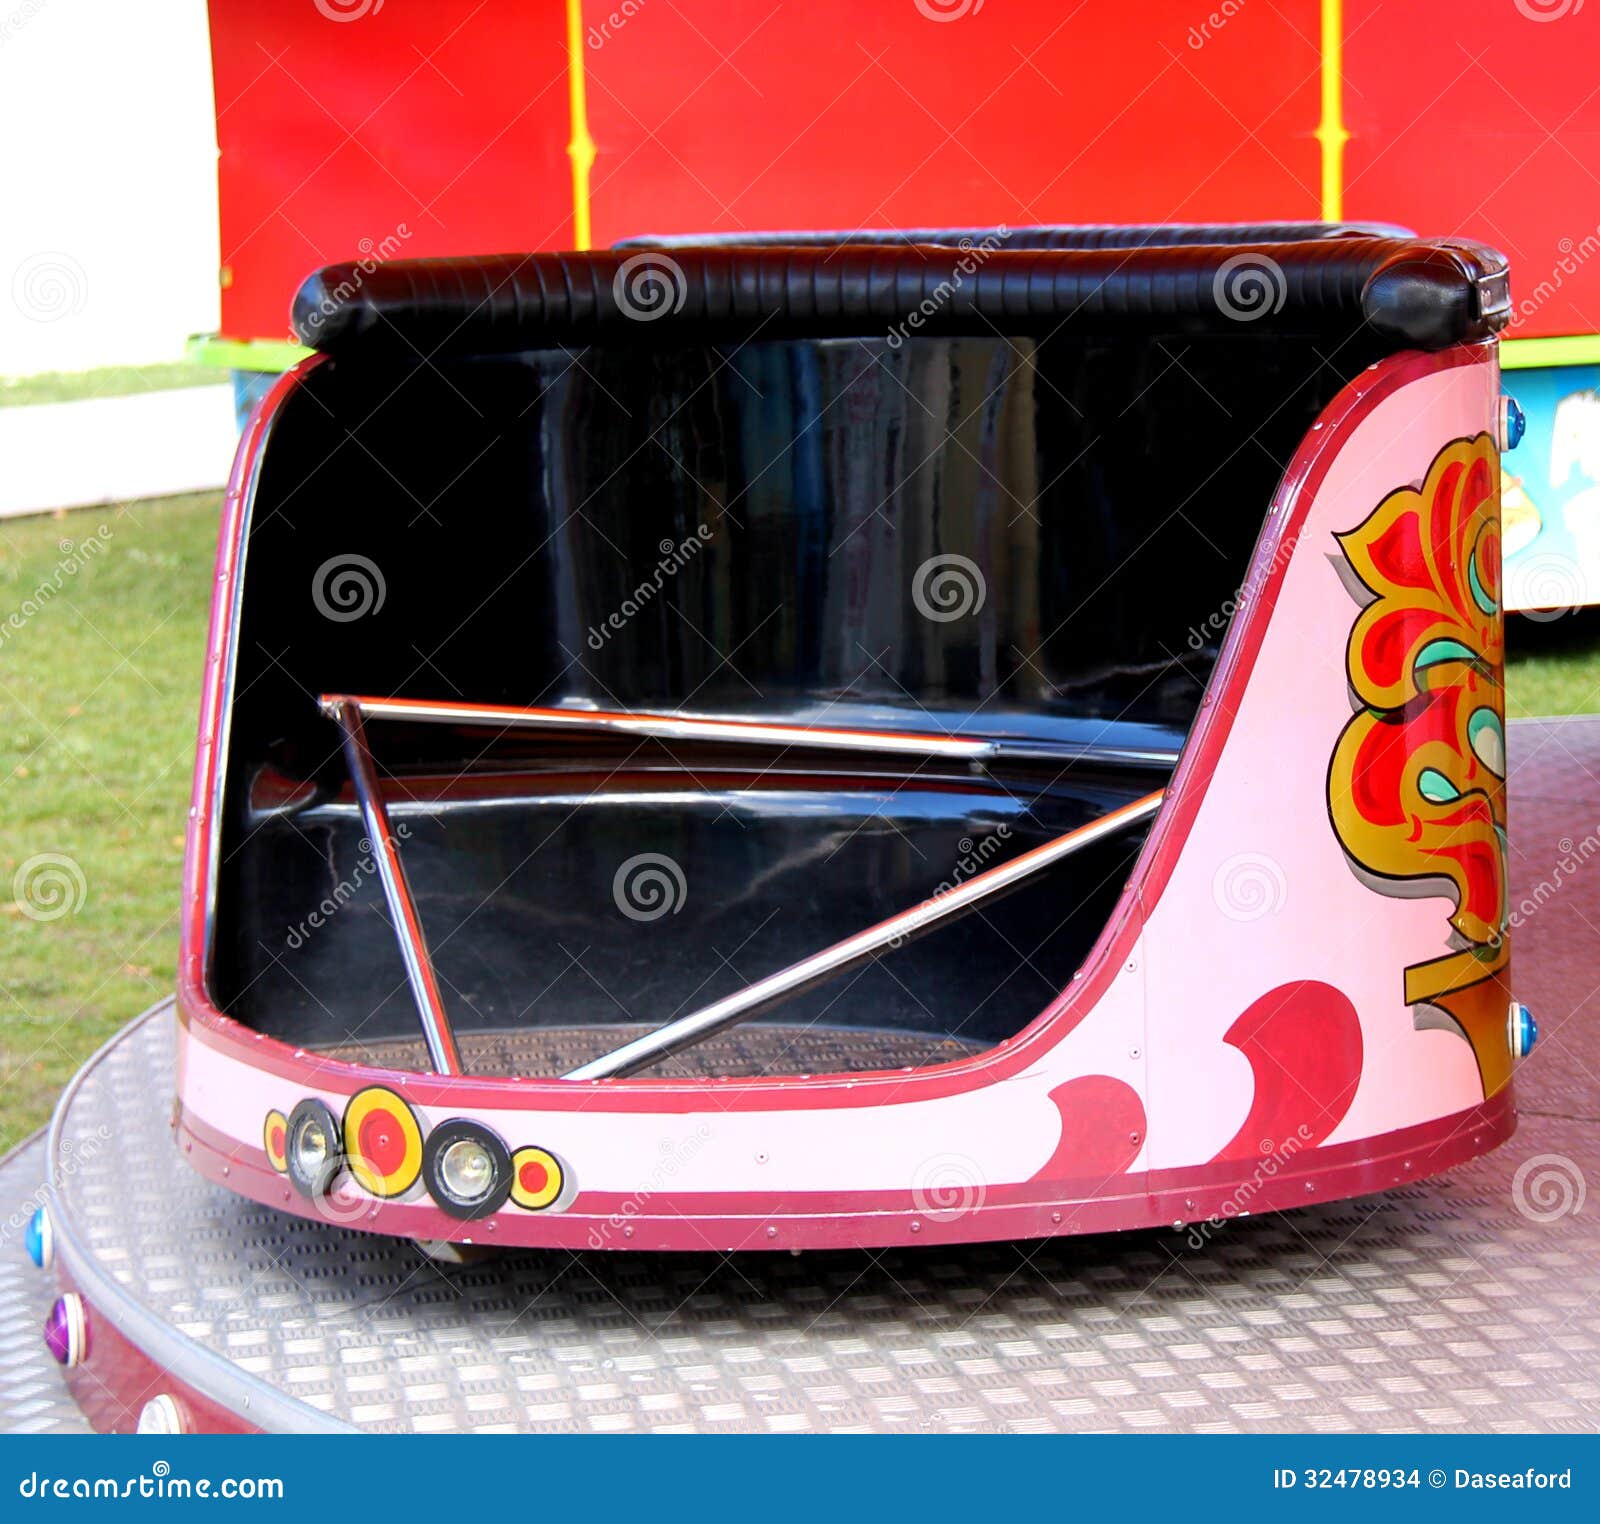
580 146
1330 131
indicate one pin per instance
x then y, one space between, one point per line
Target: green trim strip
1525 354
244 354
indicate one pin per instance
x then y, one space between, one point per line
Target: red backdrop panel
1482 118
450 121
418 129
727 115
442 129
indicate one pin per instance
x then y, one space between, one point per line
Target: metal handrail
899 929
682 727
350 711
436 1029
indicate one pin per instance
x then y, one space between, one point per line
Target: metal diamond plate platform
33 1396
1466 1303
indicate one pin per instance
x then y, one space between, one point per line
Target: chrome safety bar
436 1029
681 727
349 712
895 932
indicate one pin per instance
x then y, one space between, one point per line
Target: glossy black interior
1108 493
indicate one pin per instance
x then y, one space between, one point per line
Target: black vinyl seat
757 499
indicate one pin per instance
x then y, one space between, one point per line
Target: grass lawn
99 689
98 695
110 381
1553 668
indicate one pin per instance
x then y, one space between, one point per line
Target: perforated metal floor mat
765 1049
1466 1303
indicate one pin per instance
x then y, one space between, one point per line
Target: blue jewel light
39 1239
1523 1030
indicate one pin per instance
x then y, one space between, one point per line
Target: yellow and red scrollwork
1416 788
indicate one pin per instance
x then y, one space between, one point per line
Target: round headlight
313 1154
467 1169
161 1415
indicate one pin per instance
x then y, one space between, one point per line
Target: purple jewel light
64 1331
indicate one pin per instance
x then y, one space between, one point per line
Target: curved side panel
201 841
1306 862
1128 1102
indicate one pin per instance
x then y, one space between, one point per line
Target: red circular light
275 1139
383 1142
382 1145
533 1177
537 1179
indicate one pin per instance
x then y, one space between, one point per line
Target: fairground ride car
818 742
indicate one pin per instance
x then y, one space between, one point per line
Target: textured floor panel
1444 1306
1554 834
766 1049
1466 1303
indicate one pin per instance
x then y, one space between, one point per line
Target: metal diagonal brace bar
682 727
436 1030
894 932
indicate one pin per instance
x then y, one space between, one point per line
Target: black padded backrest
1405 293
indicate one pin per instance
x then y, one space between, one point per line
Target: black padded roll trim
1406 292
